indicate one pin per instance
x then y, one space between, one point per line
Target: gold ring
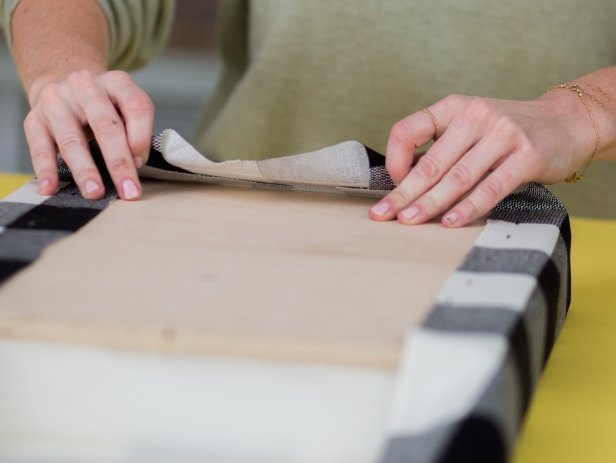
436 126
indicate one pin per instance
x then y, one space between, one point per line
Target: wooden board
266 274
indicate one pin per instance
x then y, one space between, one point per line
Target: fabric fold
345 168
467 374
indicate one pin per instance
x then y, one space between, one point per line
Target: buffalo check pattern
30 222
467 374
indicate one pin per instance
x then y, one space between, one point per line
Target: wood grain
224 271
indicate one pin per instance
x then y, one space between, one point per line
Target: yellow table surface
10 182
571 418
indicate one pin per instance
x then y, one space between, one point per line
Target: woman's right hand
120 115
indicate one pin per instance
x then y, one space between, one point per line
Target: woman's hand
61 49
484 150
117 111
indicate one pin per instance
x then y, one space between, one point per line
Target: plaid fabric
30 222
468 373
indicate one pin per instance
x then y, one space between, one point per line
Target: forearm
53 39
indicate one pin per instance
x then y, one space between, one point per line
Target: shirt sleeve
138 29
6 11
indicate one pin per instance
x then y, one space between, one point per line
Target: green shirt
299 75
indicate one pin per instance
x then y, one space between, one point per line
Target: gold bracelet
583 95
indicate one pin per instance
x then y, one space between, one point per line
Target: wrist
585 113
578 133
34 87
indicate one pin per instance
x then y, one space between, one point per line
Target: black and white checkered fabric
468 373
30 222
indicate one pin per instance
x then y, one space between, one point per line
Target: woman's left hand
484 149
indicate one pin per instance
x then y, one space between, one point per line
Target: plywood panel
193 268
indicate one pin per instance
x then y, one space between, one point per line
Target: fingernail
451 218
380 209
138 162
130 189
43 184
91 186
409 213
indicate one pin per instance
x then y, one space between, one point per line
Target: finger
493 189
42 152
108 129
405 137
67 131
459 179
458 138
137 109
